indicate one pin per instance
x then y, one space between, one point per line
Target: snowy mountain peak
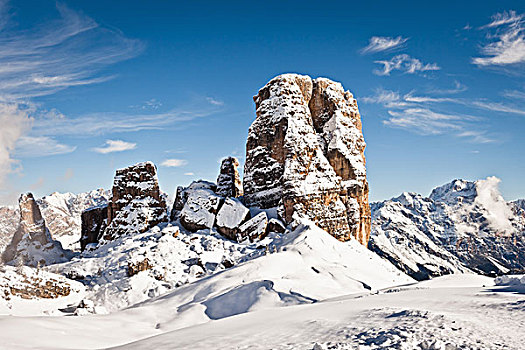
454 192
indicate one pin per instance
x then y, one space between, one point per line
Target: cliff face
305 154
32 243
136 204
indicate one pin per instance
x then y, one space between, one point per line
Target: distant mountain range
462 224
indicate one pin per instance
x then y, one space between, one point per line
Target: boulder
32 243
305 155
182 194
254 229
201 204
136 204
229 181
230 217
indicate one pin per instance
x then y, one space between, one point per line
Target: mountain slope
460 225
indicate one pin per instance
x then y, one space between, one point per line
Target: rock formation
32 243
229 181
305 154
136 204
94 222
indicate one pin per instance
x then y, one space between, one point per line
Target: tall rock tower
305 154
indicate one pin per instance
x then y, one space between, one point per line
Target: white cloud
214 102
189 174
498 107
426 122
383 43
172 163
508 44
387 98
41 60
15 121
40 146
115 146
103 123
514 94
458 87
498 213
406 64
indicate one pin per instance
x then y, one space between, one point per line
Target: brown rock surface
305 154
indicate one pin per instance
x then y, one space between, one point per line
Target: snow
458 311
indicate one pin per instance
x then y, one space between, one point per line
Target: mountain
461 225
61 212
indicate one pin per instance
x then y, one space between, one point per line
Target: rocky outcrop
94 222
32 243
229 181
305 155
136 204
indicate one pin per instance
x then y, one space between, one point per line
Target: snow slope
451 312
299 267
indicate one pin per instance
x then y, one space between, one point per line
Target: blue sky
88 87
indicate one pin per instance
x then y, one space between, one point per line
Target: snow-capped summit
455 191
462 224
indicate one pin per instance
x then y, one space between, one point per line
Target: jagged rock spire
305 154
229 181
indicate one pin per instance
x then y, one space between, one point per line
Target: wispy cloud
383 43
417 114
458 87
514 94
214 101
189 174
427 122
66 52
15 121
405 64
507 45
68 175
115 146
103 123
40 146
173 163
498 107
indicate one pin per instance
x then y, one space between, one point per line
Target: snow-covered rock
254 229
229 180
136 204
24 289
32 243
461 225
304 153
200 205
230 217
